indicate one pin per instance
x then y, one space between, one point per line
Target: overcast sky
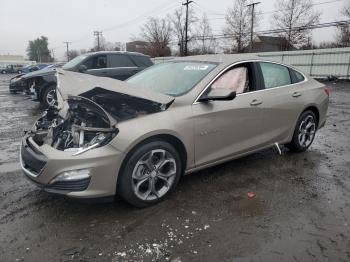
75 20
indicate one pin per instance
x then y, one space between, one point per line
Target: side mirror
82 68
220 94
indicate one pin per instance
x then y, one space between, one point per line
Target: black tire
44 100
3 72
125 184
295 145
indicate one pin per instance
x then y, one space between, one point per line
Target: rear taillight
326 90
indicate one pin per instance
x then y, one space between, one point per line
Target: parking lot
300 212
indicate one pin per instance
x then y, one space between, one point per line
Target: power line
170 4
160 8
315 4
281 30
262 13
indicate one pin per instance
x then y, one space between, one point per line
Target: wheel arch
170 138
315 110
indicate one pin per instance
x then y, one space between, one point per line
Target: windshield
72 63
172 78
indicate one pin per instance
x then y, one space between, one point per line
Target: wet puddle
9 167
249 207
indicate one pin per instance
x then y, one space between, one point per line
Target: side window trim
258 70
230 67
260 84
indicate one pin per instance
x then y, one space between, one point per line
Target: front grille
71 186
32 160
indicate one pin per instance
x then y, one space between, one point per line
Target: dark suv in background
114 64
12 69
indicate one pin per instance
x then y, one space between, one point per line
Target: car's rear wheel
3 72
149 174
49 97
304 132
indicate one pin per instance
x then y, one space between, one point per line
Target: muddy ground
301 211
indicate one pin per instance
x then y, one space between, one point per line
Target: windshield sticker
196 67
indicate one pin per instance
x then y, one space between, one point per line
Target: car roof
117 52
222 58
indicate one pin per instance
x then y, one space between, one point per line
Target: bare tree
238 20
178 20
343 34
204 39
72 54
83 51
109 46
157 32
346 10
291 14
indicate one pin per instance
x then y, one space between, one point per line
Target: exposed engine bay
88 121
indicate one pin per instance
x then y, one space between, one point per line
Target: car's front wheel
304 132
49 97
149 174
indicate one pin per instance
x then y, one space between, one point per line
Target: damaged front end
68 150
81 126
88 121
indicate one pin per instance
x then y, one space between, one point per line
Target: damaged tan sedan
137 138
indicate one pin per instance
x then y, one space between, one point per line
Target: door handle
296 94
256 102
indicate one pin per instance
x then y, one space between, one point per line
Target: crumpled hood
74 84
42 72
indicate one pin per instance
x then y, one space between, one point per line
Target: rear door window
275 75
96 62
120 61
142 61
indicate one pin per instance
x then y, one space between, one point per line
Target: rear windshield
172 78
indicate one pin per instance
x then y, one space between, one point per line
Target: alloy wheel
307 129
51 97
154 174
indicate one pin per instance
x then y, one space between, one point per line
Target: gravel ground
301 211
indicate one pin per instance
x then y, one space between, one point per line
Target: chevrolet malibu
135 139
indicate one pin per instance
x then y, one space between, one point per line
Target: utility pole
98 34
252 5
67 45
53 55
186 25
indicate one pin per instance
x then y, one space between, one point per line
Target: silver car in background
137 138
